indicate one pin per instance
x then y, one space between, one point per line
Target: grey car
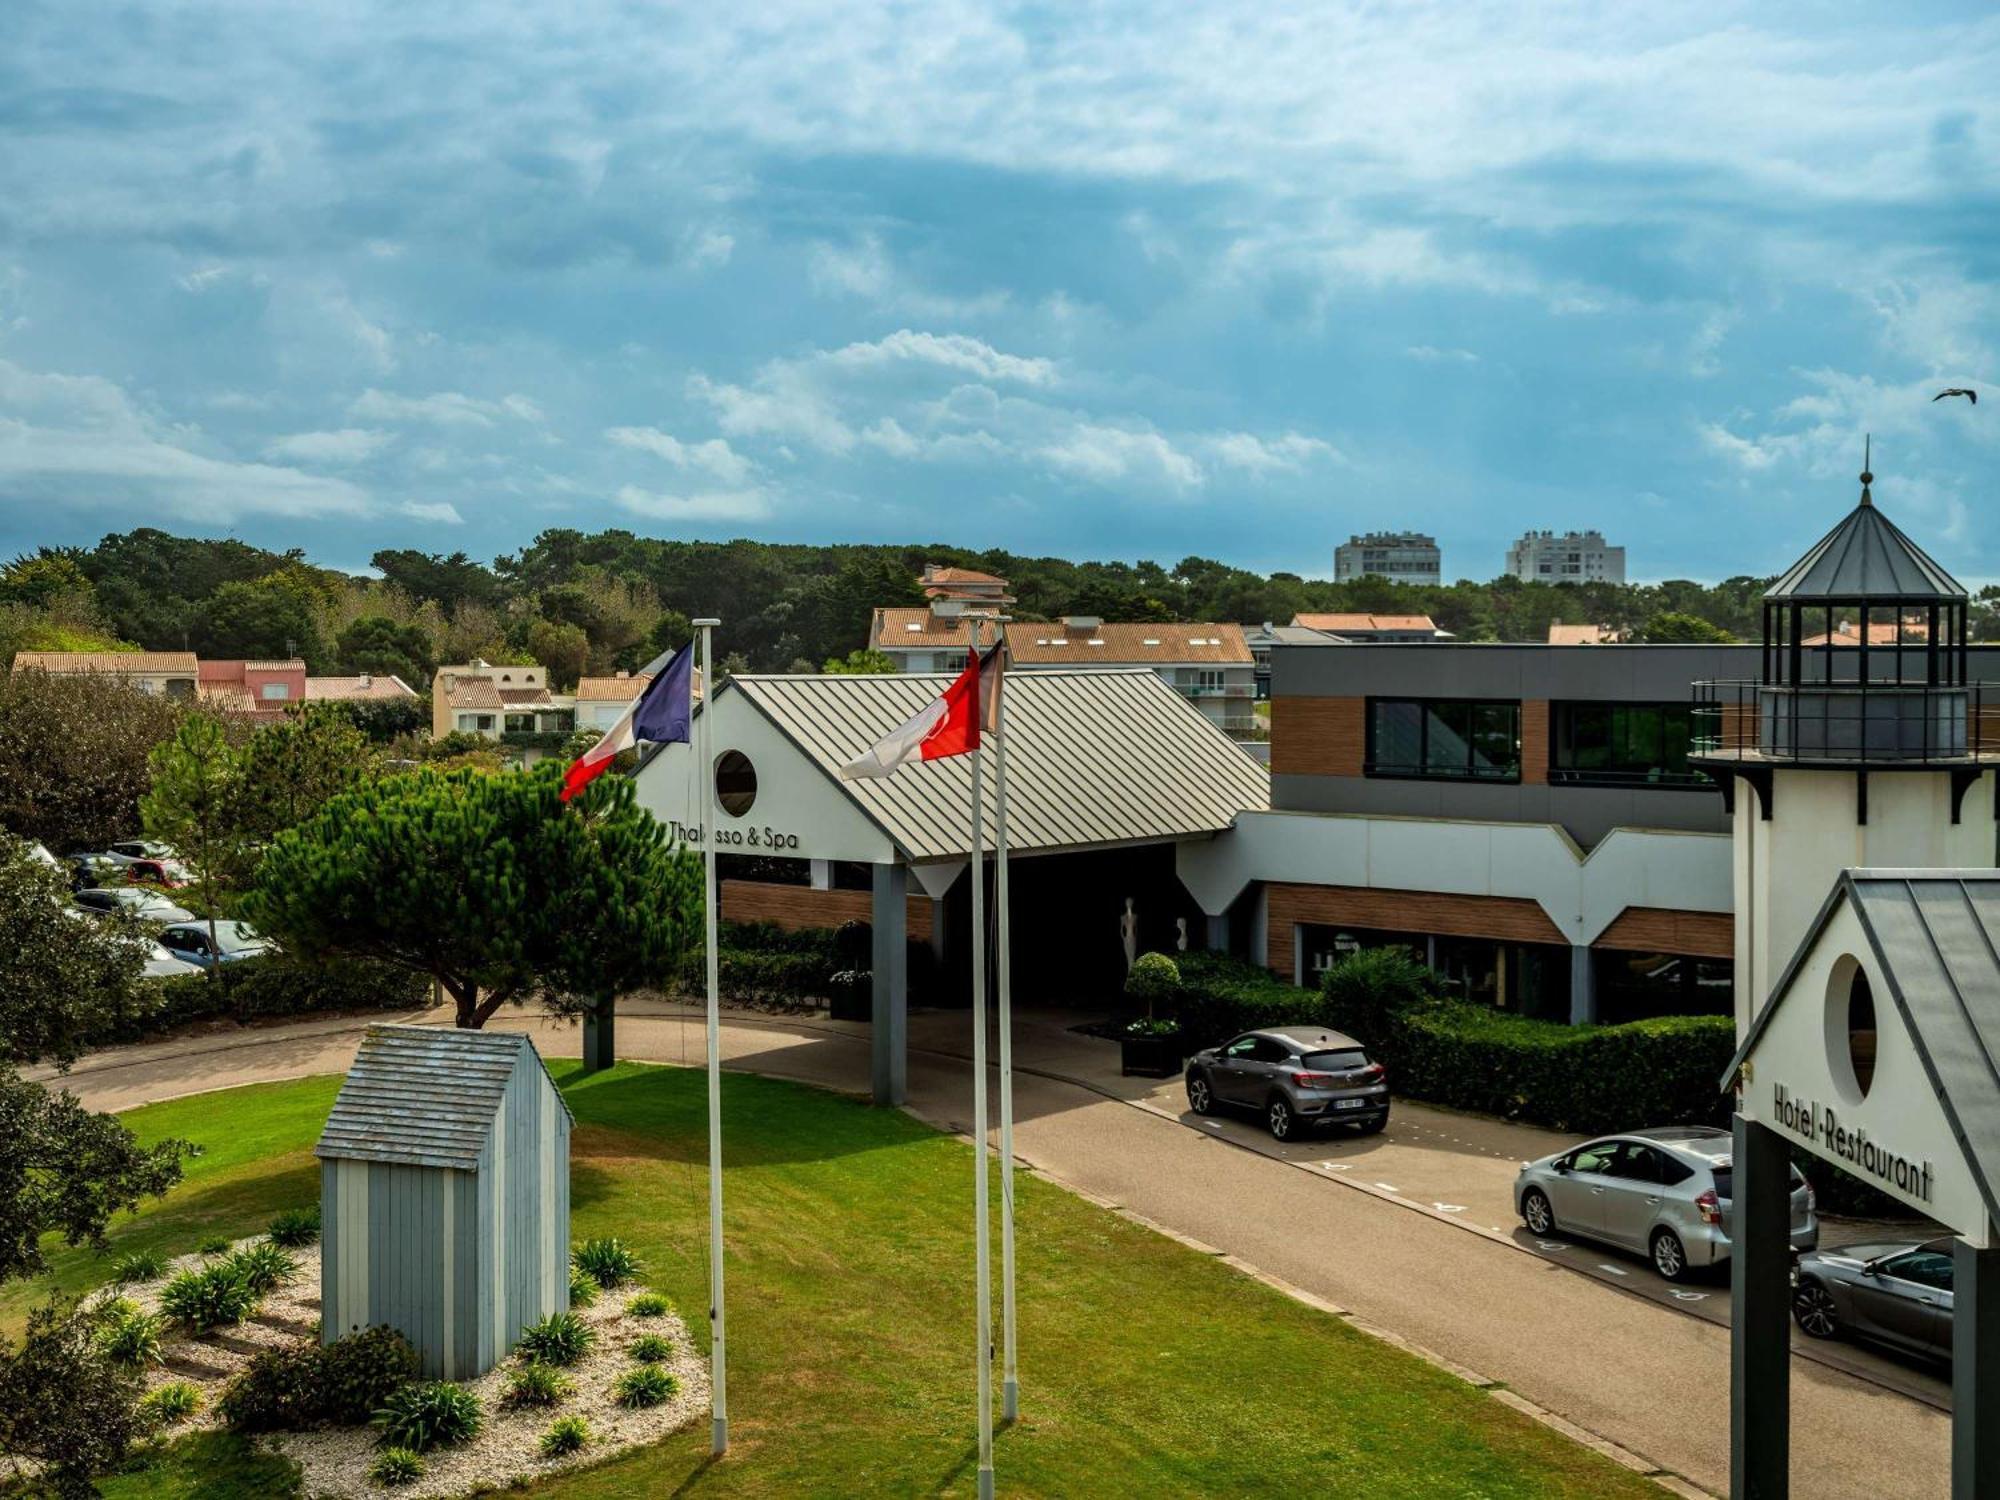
1665 1193
1895 1292
131 901
1294 1077
235 942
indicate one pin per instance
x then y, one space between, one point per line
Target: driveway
1411 1230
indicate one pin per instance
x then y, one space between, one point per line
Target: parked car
1665 1193
160 964
132 901
87 871
40 854
234 942
1295 1077
169 873
1895 1292
130 849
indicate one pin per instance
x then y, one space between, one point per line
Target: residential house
1261 638
1208 664
600 700
256 689
1585 635
509 703
1373 628
170 674
365 688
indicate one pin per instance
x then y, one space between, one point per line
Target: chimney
366 680
623 674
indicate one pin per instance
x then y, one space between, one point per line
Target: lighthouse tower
1859 743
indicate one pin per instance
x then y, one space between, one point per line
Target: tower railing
1845 723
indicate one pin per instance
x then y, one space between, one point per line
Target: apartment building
1566 557
1400 556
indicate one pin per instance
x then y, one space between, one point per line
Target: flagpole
981 1227
1010 1382
704 770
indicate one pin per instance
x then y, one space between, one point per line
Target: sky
1097 280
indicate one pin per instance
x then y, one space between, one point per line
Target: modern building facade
1566 557
1400 556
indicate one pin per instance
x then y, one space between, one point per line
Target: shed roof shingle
144 663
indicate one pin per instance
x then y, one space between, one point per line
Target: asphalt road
1411 1230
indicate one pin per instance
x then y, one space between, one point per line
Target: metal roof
1093 758
1936 937
423 1096
1866 556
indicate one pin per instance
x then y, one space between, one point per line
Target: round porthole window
735 782
1850 1030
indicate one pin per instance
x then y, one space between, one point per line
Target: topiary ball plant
1154 978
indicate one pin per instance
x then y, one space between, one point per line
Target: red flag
947 725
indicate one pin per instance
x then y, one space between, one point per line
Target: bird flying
1972 396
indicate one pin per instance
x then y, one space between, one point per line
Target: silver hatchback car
1665 1193
1295 1077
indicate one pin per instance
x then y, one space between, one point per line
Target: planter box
1151 1056
853 1001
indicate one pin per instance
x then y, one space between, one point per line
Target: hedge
269 986
1465 1056
764 964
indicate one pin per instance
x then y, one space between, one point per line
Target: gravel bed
335 1460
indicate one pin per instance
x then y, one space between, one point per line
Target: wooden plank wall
1511 919
1318 736
1657 929
1534 742
796 906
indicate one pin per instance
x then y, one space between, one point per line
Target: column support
891 997
1760 1330
1975 1372
1218 933
1582 985
600 1050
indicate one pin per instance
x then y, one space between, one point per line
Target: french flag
662 713
948 725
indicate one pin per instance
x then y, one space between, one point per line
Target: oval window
1850 1030
735 782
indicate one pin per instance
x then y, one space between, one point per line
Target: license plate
1350 1104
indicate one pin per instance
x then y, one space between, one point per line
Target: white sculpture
1128 932
1180 934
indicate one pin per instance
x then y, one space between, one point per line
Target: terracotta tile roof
177 663
1338 623
960 575
611 689
356 689
473 692
294 665
226 695
908 629
1050 644
526 697
1883 633
1584 635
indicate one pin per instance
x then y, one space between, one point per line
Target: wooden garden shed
444 1194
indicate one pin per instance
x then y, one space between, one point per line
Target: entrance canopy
1095 759
1879 1049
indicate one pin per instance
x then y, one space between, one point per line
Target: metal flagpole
718 1365
982 1229
1010 1383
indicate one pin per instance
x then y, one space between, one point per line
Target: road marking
1550 1245
1614 1270
1388 1187
1338 1166
1212 1124
1680 1296
1449 1208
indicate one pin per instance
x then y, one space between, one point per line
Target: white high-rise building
1566 557
1400 556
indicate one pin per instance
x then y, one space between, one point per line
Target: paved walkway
1343 1218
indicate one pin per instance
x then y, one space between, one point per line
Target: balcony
1845 724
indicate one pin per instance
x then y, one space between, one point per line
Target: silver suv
1295 1077
1664 1193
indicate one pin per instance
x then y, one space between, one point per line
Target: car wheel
1814 1310
1670 1257
1201 1098
1536 1213
1280 1118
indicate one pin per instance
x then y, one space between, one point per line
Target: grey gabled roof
423 1095
1935 935
1866 556
1094 757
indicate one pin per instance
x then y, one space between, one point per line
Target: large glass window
1638 986
1449 738
1622 744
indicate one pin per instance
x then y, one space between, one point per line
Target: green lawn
1147 1368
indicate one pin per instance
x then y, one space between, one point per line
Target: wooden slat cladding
1658 929
796 906
1534 742
1318 736
1510 919
1738 726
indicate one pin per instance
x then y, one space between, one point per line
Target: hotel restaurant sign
1833 1068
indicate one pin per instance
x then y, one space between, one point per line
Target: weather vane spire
1867 453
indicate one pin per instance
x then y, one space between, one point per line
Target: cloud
709 505
1432 355
441 511
347 445
442 408
950 351
1109 455
783 405
713 457
1288 453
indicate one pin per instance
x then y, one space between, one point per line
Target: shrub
537 1384
648 1305
1154 978
582 1287
167 1404
608 1261
296 1228
130 1338
139 1266
394 1466
279 1390
215 1244
1221 996
265 1267
429 1414
648 1385
559 1339
651 1348
270 986
359 1372
1365 992
213 1297
566 1435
